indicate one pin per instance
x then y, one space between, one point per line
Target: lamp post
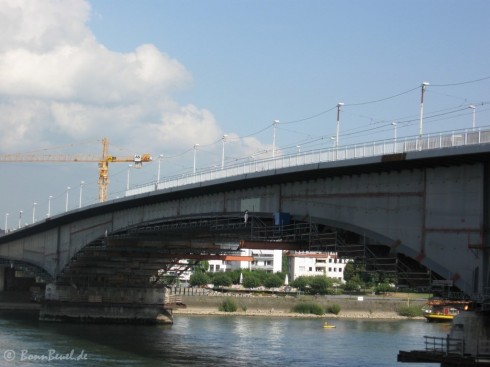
33 212
49 206
194 166
66 200
223 151
127 180
160 156
473 107
340 104
80 198
6 222
394 124
298 147
421 126
20 219
274 125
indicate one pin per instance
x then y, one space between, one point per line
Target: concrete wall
287 303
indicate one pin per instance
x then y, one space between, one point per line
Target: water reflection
234 341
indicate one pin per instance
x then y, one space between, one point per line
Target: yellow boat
444 310
326 325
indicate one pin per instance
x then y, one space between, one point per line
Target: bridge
420 203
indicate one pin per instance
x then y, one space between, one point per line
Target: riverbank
279 313
351 307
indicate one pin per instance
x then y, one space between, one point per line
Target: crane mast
103 162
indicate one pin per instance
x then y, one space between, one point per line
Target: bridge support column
105 305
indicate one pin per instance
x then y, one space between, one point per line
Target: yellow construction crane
103 161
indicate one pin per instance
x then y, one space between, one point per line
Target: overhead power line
460 83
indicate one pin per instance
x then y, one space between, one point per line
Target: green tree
352 285
319 284
383 288
251 280
273 281
201 266
300 283
199 279
355 269
222 280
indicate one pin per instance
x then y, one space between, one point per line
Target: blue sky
161 76
256 61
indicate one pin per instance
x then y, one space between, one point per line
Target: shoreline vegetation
346 307
383 307
203 311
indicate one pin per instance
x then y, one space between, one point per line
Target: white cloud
57 82
59 86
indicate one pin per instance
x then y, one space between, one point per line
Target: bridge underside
109 277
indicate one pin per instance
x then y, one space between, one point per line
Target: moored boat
444 310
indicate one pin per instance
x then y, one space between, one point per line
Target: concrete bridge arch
430 207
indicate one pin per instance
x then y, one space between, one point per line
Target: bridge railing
377 148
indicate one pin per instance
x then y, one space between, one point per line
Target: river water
212 341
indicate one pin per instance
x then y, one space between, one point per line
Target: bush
319 284
410 311
222 280
273 281
335 309
199 279
228 305
309 308
250 280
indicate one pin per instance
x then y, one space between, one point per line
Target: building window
211 267
329 269
310 269
217 267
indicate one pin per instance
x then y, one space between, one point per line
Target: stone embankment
350 306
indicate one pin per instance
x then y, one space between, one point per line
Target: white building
267 260
314 263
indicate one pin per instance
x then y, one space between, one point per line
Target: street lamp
80 198
394 124
127 180
274 125
49 206
223 151
33 212
332 138
421 127
298 147
194 167
474 110
6 222
340 104
66 201
160 156
20 219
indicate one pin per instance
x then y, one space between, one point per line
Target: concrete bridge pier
134 305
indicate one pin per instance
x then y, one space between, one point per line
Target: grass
309 308
228 305
410 311
335 309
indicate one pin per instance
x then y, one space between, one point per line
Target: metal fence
377 148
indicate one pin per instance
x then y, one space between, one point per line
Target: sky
159 76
